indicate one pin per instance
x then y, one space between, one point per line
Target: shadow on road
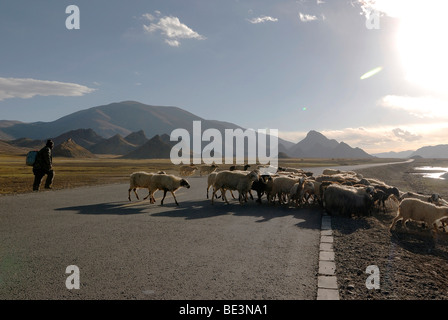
309 218
118 208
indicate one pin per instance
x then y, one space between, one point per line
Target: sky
369 73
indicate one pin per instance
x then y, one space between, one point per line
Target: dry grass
16 177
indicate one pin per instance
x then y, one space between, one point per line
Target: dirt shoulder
412 266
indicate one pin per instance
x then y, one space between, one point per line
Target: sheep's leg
164 195
129 194
172 192
214 195
208 187
223 193
135 191
232 194
398 217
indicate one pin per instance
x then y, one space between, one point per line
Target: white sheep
138 180
295 192
211 180
281 187
234 180
418 210
166 182
427 198
207 169
187 171
310 188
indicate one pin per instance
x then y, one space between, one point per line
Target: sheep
382 193
210 180
238 167
345 200
290 170
166 183
310 188
207 169
437 200
282 186
260 186
426 198
187 171
240 181
330 172
418 210
138 180
295 194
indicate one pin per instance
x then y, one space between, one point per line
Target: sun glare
422 43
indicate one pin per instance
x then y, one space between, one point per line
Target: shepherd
44 166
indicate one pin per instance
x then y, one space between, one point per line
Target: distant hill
70 149
392 154
86 138
121 118
438 151
28 143
114 145
155 148
7 148
316 145
137 138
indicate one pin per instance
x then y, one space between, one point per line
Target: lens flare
371 73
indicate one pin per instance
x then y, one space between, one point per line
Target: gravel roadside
411 265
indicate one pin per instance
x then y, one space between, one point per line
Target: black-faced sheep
166 183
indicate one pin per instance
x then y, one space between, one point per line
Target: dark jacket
44 160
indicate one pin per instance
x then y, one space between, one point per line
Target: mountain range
123 129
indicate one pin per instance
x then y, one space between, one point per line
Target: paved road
135 250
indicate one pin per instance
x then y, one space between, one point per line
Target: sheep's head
184 183
246 166
253 175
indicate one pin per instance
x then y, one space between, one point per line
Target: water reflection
433 172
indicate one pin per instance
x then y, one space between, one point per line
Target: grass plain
16 177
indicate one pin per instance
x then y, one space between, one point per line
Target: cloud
422 107
405 135
28 88
171 28
262 19
306 17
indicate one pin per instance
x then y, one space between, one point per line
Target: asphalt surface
137 250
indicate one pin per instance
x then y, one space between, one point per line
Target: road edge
327 284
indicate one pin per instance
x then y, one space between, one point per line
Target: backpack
31 157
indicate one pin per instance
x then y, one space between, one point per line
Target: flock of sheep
343 193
